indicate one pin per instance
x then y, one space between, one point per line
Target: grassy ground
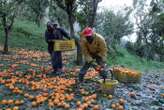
135 62
27 35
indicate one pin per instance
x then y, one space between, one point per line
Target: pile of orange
57 98
118 105
91 74
88 102
126 75
11 102
17 103
31 54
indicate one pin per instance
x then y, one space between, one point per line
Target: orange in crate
126 75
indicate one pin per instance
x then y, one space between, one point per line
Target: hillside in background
28 35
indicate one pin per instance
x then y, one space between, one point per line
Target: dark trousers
56 60
86 66
56 57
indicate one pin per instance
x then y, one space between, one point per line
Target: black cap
50 24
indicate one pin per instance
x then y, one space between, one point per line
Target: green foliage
28 28
57 14
150 25
158 24
37 9
83 12
8 11
69 6
87 11
133 61
26 35
113 27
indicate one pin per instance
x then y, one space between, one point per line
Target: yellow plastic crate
108 87
64 45
126 75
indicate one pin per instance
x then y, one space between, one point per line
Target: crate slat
64 45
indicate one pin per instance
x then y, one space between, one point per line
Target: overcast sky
118 5
115 4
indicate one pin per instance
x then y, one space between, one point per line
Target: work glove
69 38
103 74
93 63
50 41
103 71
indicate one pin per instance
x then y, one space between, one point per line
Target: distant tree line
113 26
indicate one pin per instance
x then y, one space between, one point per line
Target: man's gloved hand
50 40
93 63
103 73
69 38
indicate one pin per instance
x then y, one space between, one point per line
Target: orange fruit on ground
94 96
34 104
21 101
110 97
11 87
85 105
89 102
16 108
31 97
132 94
10 101
45 94
4 102
86 99
78 103
79 109
117 104
26 95
8 109
50 104
17 102
120 107
96 107
113 106
66 106
82 107
58 104
122 101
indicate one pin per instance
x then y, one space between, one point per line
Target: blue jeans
86 66
56 58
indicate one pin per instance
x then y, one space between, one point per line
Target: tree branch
60 4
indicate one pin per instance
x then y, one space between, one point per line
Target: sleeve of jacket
102 49
65 34
86 54
46 36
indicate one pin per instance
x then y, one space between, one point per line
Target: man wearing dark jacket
55 33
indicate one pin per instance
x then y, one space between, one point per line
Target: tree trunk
6 31
38 20
69 10
79 54
93 11
72 33
6 40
